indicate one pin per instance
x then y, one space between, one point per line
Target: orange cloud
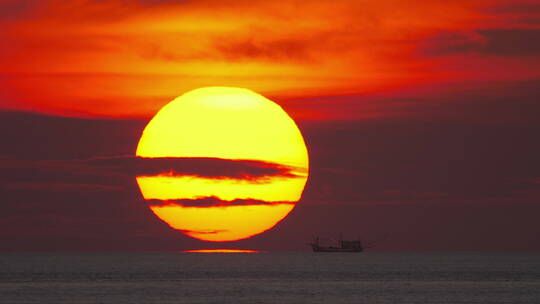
127 59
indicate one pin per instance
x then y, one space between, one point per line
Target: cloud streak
494 42
213 168
207 202
87 175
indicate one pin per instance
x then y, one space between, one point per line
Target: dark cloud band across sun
212 202
214 168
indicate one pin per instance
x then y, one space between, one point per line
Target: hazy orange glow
229 124
118 58
222 251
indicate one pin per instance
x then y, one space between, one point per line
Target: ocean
300 277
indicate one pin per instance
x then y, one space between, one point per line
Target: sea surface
302 277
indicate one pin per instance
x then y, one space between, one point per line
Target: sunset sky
421 118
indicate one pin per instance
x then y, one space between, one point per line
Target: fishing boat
343 246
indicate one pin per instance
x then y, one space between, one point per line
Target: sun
250 138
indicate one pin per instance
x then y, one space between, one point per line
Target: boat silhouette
343 246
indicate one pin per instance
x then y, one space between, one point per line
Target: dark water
269 278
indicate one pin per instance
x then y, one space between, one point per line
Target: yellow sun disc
230 124
224 122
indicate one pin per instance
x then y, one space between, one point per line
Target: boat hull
334 249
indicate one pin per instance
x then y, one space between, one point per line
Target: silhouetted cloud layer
212 202
495 42
213 168
449 178
118 167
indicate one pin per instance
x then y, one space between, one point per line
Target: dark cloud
236 50
212 202
47 150
277 50
213 168
131 166
512 42
452 42
514 8
498 42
